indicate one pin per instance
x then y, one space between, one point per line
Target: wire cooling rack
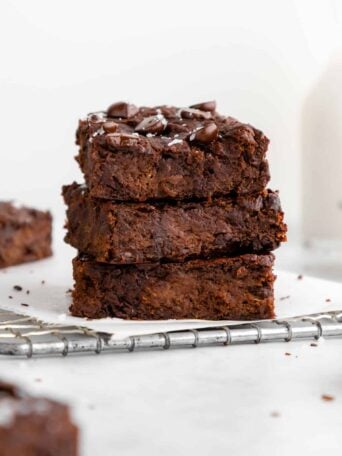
24 336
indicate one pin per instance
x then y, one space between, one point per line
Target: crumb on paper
313 344
284 297
328 300
288 354
69 290
327 397
27 291
38 380
10 297
300 277
43 282
17 288
24 304
275 414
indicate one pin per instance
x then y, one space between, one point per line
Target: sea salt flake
175 141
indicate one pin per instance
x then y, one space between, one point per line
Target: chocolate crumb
328 300
275 414
10 297
327 397
69 290
27 291
300 277
24 304
288 354
43 282
17 288
313 344
284 297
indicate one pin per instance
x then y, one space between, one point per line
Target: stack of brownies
175 220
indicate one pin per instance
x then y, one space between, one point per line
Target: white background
261 60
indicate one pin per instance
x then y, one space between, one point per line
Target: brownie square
34 426
137 154
236 288
119 233
25 234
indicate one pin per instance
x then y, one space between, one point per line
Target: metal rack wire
24 336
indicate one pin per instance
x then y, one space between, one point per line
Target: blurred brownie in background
25 234
32 426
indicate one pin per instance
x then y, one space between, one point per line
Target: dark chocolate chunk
205 106
110 126
17 288
191 113
95 118
122 109
205 134
154 124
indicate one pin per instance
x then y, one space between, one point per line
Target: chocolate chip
122 109
191 113
95 117
24 304
205 134
17 288
154 124
205 106
115 140
110 126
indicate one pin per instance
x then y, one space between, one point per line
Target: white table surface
251 399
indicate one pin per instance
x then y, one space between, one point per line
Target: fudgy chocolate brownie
121 233
25 234
34 426
227 288
129 153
